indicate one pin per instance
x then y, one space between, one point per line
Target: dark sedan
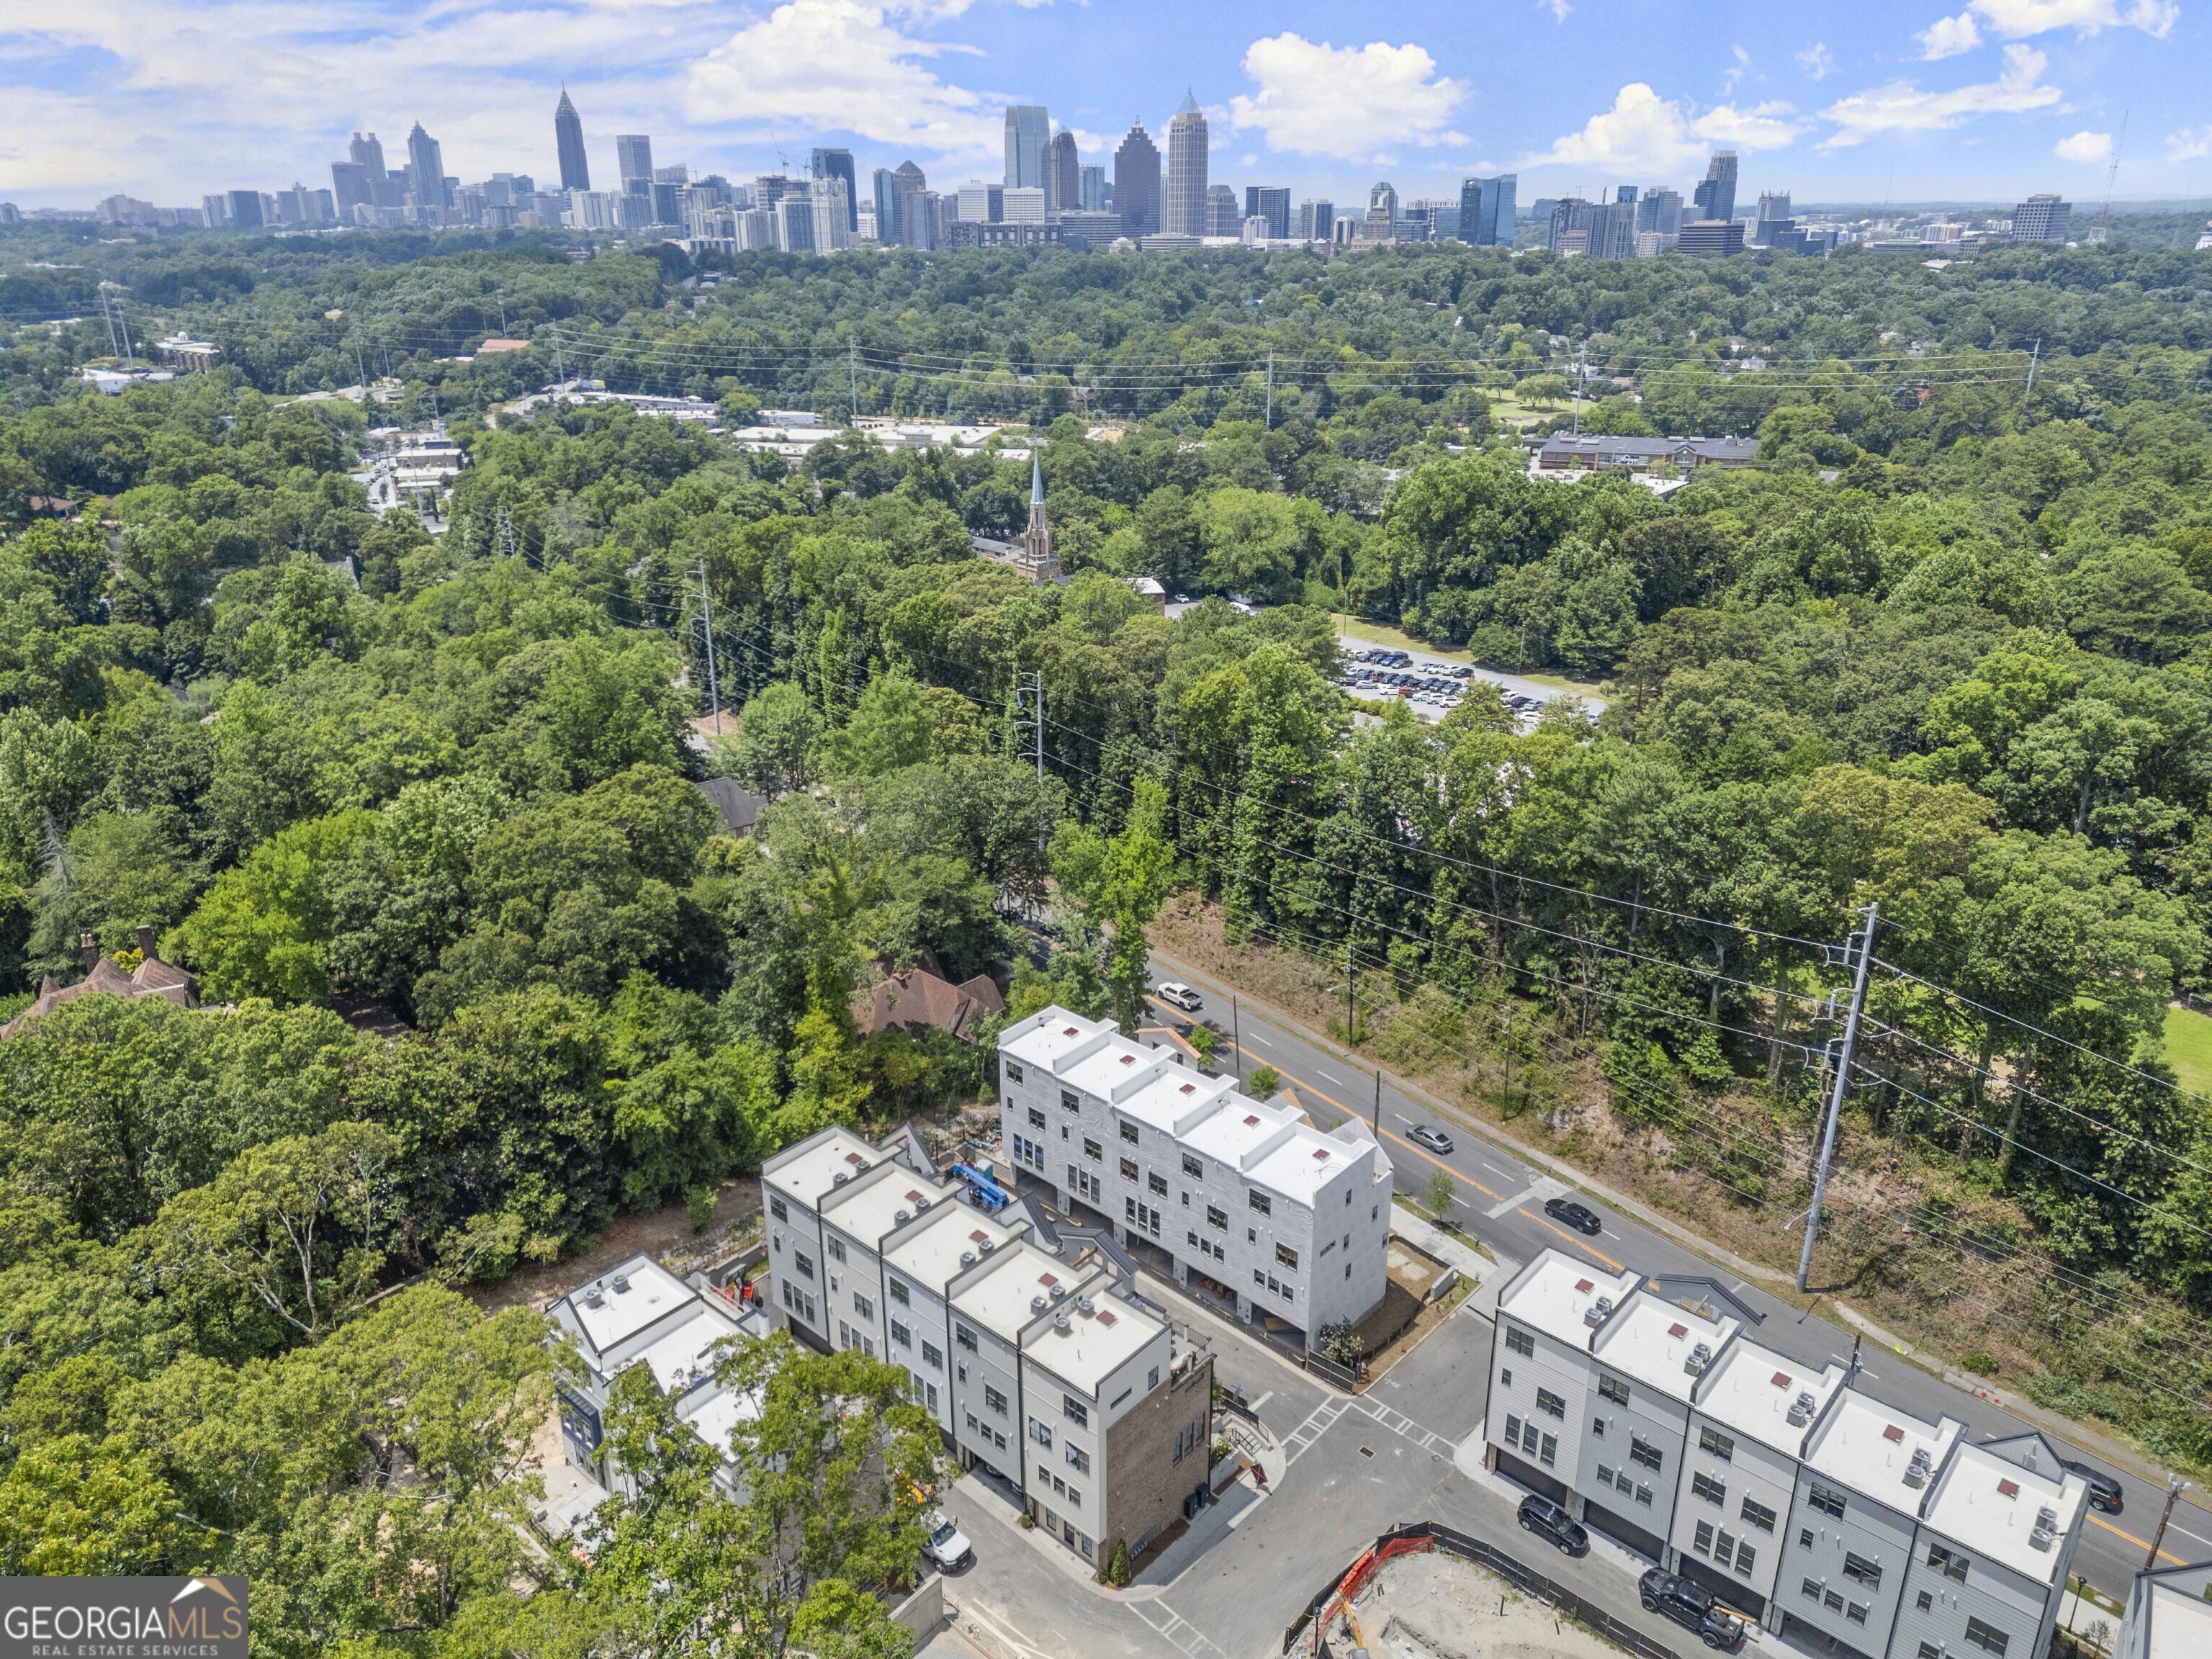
1549 1521
1568 1213
1689 1607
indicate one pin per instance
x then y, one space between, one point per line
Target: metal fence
1525 1579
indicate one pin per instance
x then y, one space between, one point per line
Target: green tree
777 731
72 1509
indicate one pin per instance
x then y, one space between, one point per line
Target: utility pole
1236 1038
1378 1125
1836 1095
500 294
1270 425
2034 356
1581 362
1350 1008
108 317
853 379
1029 687
2174 1485
706 616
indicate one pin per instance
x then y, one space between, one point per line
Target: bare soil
666 1236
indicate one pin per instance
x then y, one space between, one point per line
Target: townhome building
1283 1223
1790 1494
1042 1371
1754 1408
2169 1612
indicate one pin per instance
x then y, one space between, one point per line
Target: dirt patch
1434 1606
666 1236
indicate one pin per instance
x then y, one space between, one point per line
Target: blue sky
1904 98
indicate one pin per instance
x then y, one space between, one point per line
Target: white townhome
1036 1368
2169 1612
1791 1495
1254 1204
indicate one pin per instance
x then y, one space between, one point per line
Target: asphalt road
1501 1199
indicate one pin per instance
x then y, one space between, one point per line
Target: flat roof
681 1357
2180 1624
875 1209
1752 1388
1114 1065
931 1255
1868 1446
1989 1504
714 1415
653 1293
1173 1095
1046 1039
999 1300
1650 1340
1095 1346
1300 1166
810 1171
1553 1292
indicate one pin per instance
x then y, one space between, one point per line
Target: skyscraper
1716 196
349 187
1028 130
428 167
368 153
909 185
1316 221
1091 187
1222 218
244 208
884 192
633 162
2042 219
838 164
1485 210
1659 212
568 138
1063 185
1269 203
1185 213
1137 182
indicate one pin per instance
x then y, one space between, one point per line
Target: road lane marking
1262 1040
2139 1543
1542 1190
1336 1080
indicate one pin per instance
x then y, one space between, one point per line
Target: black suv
1690 1608
1548 1520
2104 1491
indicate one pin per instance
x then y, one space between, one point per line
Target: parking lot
1433 689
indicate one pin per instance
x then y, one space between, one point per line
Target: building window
1216 1216
863 1306
1156 1183
1075 1411
1812 1589
1286 1256
1505 1377
897 1287
1129 1133
994 1400
1260 1201
1949 1563
1036 1118
901 1335
1604 1476
1519 1341
1613 1389
776 1208
800 1260
1805 1538
1513 1432
1924 1601
1832 1601
1069 1101
1724 1549
1703 1543
1826 1499
1856 1612
1930 1651
1040 1432
1128 1168
1758 1515
1549 1404
836 1247
1597 1427
1860 1570
1194 1166
1703 1485
1078 1459
1093 1150
1013 1073
1643 1451
965 1338
1550 1452
1720 1445
1744 1556
932 1355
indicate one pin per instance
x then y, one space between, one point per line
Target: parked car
1568 1213
1548 1521
947 1545
1689 1607
1425 1134
2104 1491
1179 995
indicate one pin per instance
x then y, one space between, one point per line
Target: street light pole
2174 1484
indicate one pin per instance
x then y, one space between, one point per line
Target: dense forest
1945 649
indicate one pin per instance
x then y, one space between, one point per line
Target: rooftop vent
1599 1310
1058 1292
621 1283
1892 1432
967 1258
1085 1304
921 1203
2046 1528
1917 1471
592 1296
2041 1537
2008 1488
988 1246
1061 1324
1678 1332
839 1179
1700 1357
1038 1304
1801 1409
903 1216
862 1165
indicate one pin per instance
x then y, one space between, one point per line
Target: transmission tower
2103 227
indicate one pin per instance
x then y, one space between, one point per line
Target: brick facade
1145 1482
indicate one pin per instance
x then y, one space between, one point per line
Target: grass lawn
2189 1047
1378 633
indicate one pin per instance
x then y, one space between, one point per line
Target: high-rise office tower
1063 185
834 216
1091 189
883 193
368 153
838 164
633 162
1028 130
428 167
1773 205
568 139
1659 212
1268 202
1137 182
1716 195
1222 218
1485 210
1316 221
349 187
1185 210
245 210
909 183
2042 219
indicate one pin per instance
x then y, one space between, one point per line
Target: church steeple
1037 541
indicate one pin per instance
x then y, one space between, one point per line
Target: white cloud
1817 61
2190 144
1345 101
1902 106
1558 9
2084 147
1946 37
2021 20
1645 133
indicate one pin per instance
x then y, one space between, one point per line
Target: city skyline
1886 101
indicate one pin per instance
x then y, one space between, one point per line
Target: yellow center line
2139 1543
